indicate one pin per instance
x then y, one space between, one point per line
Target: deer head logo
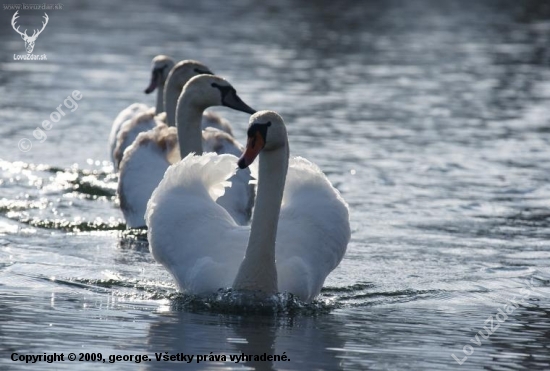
29 40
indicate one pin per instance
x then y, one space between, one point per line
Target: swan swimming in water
147 120
146 160
299 233
161 66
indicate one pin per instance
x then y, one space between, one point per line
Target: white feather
129 131
239 198
126 114
146 160
141 170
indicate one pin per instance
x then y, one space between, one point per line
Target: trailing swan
145 161
147 120
161 66
299 233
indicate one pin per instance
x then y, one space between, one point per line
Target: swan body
126 114
299 233
139 174
130 130
144 164
161 66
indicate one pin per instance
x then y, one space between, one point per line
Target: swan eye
231 99
224 89
258 128
161 69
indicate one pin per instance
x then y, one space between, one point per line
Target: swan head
210 90
184 70
266 132
160 69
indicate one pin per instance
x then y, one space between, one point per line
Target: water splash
229 301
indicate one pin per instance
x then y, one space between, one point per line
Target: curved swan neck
171 94
188 122
258 270
160 99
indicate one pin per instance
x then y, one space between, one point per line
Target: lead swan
146 160
299 233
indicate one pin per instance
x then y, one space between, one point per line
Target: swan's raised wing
238 200
313 232
193 237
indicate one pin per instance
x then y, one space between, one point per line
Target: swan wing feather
192 236
142 168
238 200
126 114
129 130
313 231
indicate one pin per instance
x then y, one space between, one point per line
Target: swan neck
258 270
188 119
160 99
171 94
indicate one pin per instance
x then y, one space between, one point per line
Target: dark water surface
431 117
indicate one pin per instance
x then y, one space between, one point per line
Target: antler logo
29 40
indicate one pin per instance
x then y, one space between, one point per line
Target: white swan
161 66
145 161
296 238
147 120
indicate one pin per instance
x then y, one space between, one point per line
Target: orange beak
253 147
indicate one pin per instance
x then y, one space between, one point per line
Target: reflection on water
431 117
308 342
